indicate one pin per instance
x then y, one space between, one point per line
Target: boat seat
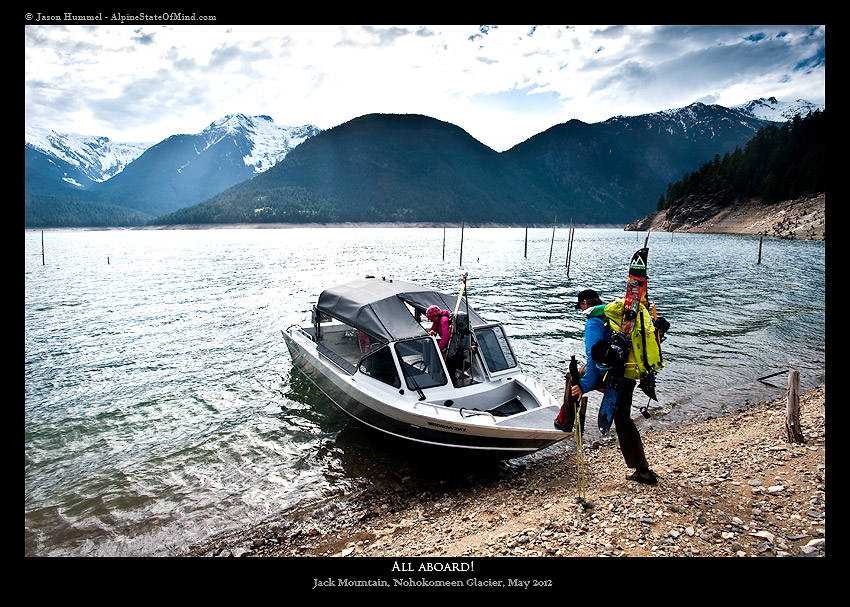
511 407
508 408
335 358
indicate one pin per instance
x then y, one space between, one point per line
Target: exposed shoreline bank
728 486
799 219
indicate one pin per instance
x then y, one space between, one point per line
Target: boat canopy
378 307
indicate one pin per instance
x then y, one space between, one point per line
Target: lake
161 407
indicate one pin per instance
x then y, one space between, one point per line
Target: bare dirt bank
802 218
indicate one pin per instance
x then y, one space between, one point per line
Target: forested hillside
782 162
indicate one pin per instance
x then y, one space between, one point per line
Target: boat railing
473 412
436 406
463 412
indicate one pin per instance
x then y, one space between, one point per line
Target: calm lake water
161 407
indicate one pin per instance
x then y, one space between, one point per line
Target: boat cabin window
494 347
380 365
343 344
421 363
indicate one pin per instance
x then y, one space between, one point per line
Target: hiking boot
647 477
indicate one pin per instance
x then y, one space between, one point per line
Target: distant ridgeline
412 168
401 168
782 162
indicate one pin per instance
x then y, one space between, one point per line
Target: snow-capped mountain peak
777 111
265 142
98 158
262 143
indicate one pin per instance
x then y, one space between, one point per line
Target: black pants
628 436
627 433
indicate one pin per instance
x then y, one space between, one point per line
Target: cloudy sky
502 84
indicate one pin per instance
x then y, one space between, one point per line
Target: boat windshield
343 344
379 365
421 363
494 347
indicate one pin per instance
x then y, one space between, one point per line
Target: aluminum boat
368 349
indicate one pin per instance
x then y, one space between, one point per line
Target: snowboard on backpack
636 294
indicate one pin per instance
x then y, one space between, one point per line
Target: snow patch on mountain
778 111
700 120
266 142
99 158
262 143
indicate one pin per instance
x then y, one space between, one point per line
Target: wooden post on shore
552 244
759 261
792 411
462 224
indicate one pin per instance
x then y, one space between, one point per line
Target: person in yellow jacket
597 329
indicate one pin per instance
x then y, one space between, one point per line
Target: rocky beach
729 486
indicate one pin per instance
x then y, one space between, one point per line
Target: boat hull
419 421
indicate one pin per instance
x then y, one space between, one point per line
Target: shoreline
800 219
729 486
343 225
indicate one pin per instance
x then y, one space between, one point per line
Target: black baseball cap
586 294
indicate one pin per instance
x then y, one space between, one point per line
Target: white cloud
500 83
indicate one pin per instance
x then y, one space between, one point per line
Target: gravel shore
730 486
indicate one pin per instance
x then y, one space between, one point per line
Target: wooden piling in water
525 251
570 247
759 261
462 224
552 243
42 247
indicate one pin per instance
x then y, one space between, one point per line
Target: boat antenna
469 329
459 297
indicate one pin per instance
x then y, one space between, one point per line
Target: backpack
460 335
645 353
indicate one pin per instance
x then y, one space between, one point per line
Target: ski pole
581 499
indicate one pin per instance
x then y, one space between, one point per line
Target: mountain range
386 168
154 179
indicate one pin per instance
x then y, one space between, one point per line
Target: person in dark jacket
631 445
